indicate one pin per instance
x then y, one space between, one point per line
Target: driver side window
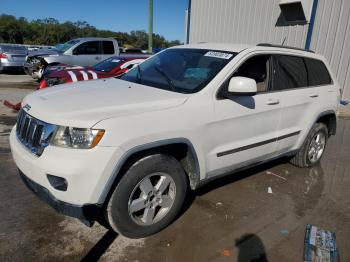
257 68
88 48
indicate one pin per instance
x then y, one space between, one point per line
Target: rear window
317 72
9 48
109 64
290 72
108 47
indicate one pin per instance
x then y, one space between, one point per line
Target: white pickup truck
125 152
87 51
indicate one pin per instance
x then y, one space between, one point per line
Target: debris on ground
219 204
320 245
284 232
16 107
269 190
271 173
226 253
344 102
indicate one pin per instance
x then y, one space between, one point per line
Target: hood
83 104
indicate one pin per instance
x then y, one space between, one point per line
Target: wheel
148 197
313 147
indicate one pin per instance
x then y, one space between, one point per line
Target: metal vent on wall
296 11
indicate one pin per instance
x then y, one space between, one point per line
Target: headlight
80 138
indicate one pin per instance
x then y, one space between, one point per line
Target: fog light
57 182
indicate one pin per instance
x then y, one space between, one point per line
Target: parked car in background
81 51
111 67
32 65
12 57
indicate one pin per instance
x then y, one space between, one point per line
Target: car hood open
83 104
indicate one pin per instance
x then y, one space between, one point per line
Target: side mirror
75 51
242 86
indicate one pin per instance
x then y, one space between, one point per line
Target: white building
320 25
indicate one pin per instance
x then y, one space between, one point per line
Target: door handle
313 95
97 57
273 101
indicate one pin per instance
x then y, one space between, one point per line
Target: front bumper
87 172
86 213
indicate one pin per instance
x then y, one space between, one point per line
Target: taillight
42 84
2 55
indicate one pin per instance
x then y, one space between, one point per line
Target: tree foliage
50 32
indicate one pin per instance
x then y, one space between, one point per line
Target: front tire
313 147
148 197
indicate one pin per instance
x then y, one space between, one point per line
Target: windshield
108 64
182 70
67 45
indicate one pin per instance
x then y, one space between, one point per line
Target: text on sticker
218 54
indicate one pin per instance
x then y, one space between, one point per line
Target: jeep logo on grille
27 107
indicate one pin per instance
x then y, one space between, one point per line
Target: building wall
260 21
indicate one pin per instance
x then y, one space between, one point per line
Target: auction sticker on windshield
218 54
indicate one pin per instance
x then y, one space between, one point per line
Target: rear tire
313 147
148 197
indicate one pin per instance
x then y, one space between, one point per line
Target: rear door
108 50
87 54
302 85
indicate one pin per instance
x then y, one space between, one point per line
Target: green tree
49 31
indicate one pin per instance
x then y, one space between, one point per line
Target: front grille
33 133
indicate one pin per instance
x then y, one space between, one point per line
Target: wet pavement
230 219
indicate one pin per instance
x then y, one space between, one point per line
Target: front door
87 54
246 127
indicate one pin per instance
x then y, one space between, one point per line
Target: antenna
284 40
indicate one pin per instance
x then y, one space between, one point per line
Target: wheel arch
329 118
180 148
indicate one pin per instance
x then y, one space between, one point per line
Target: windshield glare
67 45
181 70
108 64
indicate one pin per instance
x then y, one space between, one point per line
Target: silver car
12 57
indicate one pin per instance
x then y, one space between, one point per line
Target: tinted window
317 72
88 48
289 72
12 48
108 47
256 68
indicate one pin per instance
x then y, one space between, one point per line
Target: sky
116 15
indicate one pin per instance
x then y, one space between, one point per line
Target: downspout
311 25
188 22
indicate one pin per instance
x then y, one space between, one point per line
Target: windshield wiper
170 82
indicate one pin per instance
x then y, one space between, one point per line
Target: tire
134 197
306 157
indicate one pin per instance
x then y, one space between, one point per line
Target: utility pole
150 25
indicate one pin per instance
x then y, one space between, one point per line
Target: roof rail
287 47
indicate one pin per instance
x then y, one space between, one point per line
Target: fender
194 178
325 113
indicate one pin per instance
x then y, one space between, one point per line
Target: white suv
124 152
